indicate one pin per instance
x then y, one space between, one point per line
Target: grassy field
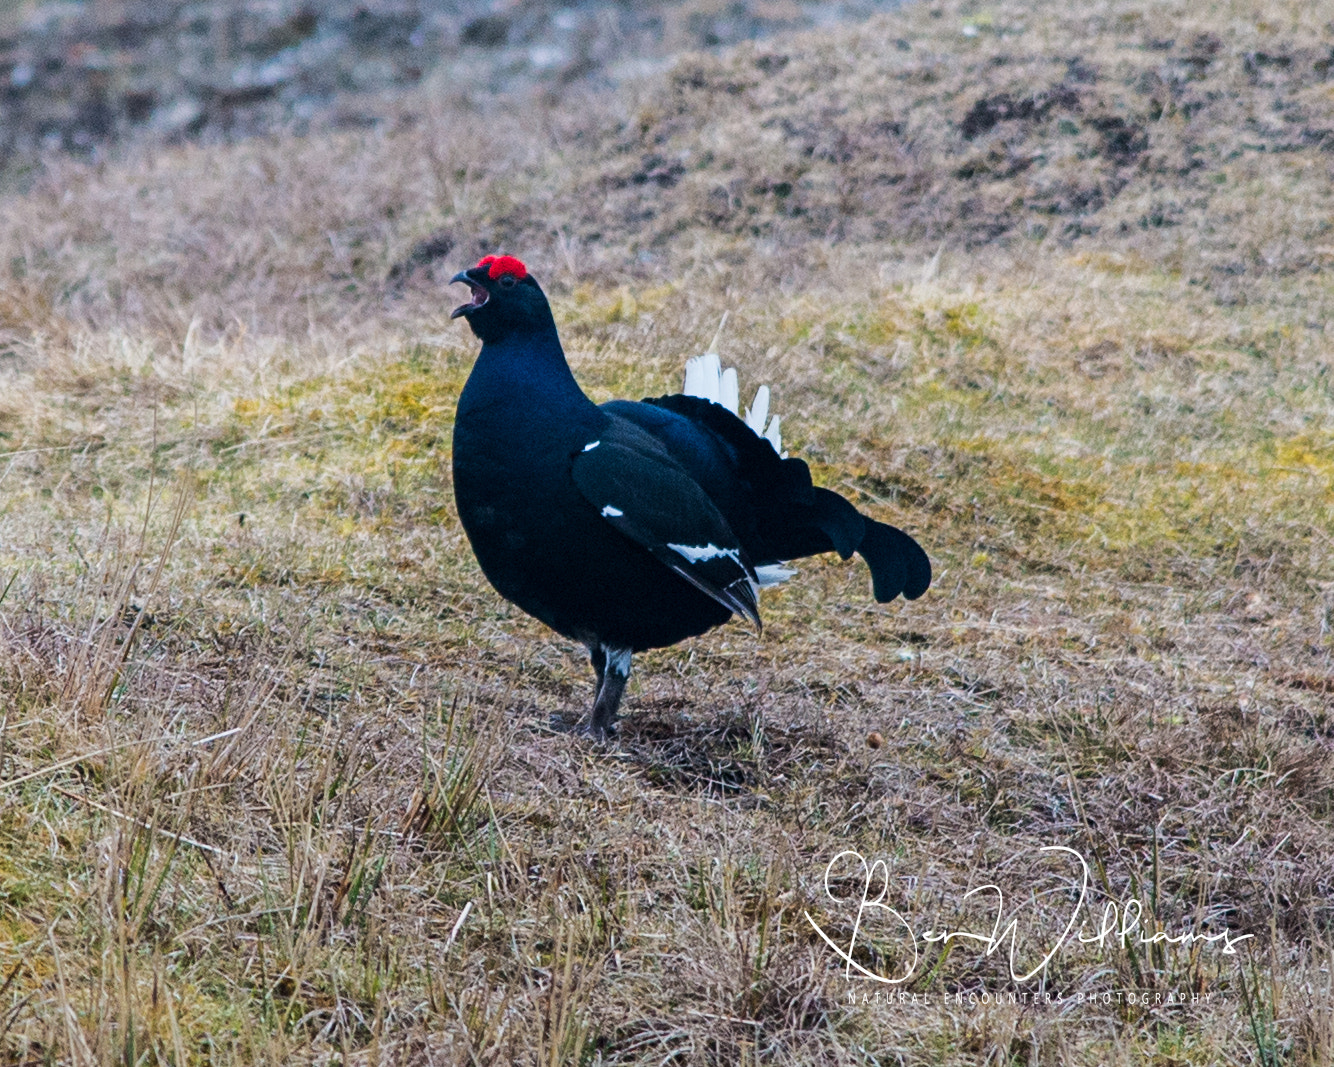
283 780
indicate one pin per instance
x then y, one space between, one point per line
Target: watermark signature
1124 923
878 997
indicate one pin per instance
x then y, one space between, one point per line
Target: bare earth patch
283 780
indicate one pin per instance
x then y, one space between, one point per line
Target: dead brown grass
282 780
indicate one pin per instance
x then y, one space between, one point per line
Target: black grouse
629 526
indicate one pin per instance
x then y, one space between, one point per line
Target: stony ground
281 778
82 77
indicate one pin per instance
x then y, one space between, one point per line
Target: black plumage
630 525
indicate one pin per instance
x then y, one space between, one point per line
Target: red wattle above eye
504 265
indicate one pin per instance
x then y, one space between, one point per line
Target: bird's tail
706 379
899 566
807 520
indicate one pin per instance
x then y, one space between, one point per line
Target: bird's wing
646 495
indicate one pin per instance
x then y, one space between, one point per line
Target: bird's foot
605 732
613 668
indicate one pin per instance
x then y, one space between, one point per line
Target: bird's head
505 299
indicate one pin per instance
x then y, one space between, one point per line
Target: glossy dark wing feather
771 502
754 455
644 494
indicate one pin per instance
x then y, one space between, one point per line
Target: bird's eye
508 281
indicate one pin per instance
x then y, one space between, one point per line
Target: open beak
479 295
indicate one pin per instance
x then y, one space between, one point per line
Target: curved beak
479 295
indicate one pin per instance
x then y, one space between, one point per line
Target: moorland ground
283 780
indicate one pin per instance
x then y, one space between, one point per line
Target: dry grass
282 780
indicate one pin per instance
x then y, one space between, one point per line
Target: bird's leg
597 655
613 670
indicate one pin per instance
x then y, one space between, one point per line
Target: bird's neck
528 374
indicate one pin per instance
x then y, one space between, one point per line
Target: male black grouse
629 526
